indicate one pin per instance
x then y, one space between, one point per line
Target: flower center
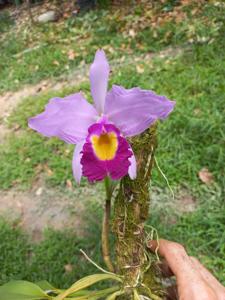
105 145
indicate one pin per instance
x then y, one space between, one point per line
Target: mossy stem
131 210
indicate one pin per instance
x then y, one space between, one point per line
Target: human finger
177 259
190 282
208 277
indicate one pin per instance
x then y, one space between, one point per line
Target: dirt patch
42 207
186 202
170 207
181 202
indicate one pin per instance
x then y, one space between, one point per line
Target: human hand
194 281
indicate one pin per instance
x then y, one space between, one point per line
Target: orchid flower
100 130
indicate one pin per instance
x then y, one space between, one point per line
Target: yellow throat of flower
105 145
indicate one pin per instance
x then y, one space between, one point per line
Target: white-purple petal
67 118
134 110
99 74
132 171
76 164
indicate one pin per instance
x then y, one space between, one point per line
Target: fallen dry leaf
16 127
132 33
71 54
140 69
39 191
69 184
122 59
48 170
68 268
56 63
205 176
66 15
67 151
197 111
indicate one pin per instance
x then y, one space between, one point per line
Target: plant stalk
106 226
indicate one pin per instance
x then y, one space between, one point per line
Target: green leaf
136 295
80 293
114 295
46 286
19 297
95 295
19 290
86 282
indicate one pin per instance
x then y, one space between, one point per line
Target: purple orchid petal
132 171
134 110
96 164
76 164
99 74
67 118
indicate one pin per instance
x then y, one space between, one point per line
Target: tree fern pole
131 210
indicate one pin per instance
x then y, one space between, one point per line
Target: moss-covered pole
131 210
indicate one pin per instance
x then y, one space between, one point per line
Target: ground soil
41 207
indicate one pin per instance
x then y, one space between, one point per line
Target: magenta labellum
105 153
100 130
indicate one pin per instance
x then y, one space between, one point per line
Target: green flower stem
106 226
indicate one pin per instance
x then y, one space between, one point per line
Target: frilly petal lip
96 169
134 110
67 118
99 74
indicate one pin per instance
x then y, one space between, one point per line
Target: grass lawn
192 138
30 54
